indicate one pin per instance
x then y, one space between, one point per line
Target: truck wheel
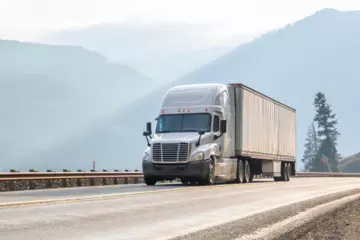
210 176
247 172
150 181
240 172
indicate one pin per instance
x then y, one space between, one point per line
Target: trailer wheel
240 172
247 171
150 181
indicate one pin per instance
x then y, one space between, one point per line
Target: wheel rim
247 171
241 171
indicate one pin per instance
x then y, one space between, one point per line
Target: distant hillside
318 53
48 93
350 164
162 51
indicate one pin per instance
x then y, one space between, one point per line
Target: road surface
156 215
47 194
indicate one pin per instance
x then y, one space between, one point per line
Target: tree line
321 154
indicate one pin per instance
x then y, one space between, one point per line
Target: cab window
216 126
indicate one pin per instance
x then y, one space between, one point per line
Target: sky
26 20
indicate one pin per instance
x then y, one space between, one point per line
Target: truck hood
176 137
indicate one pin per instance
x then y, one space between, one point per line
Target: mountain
319 53
48 93
350 164
162 51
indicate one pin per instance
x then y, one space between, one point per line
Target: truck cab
190 135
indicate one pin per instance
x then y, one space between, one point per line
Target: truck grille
170 152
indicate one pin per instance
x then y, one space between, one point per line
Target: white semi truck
208 133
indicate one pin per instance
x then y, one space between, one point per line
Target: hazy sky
27 19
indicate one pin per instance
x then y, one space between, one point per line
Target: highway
16 196
160 212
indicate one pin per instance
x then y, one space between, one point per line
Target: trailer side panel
265 128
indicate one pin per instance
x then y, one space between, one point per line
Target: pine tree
328 135
311 148
326 159
325 119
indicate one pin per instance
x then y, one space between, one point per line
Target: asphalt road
46 194
155 215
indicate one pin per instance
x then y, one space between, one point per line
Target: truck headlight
146 157
197 156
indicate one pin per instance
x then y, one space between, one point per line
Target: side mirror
148 132
200 134
223 125
148 127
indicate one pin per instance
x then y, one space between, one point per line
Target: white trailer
208 133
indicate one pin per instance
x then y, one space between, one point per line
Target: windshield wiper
190 130
164 131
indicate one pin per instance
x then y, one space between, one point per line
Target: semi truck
217 133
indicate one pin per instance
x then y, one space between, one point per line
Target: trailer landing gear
285 173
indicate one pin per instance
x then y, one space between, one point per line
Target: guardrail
13 181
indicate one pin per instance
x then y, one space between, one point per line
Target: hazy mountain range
318 53
162 51
48 94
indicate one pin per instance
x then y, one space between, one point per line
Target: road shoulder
342 223
249 225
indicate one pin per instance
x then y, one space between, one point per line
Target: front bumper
193 170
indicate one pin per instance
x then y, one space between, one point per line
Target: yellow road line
118 195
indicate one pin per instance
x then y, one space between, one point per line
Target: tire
240 172
150 181
210 176
247 172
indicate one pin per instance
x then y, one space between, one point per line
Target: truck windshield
184 123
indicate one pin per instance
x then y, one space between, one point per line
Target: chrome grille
170 152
